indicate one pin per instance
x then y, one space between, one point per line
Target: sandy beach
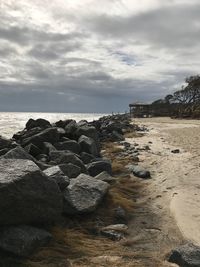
173 193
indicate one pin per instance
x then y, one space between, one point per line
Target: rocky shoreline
55 171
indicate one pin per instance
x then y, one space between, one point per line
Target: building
142 110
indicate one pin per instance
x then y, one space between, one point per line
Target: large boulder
71 128
95 168
71 170
27 195
42 123
70 145
86 157
49 135
47 148
23 240
187 255
18 153
63 124
88 145
89 131
26 134
64 157
33 150
83 194
5 143
106 177
58 176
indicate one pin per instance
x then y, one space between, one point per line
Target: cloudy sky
94 55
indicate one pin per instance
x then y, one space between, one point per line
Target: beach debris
175 151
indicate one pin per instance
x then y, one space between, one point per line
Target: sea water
12 122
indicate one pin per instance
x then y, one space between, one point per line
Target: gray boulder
64 157
106 177
187 255
47 148
70 145
71 128
58 176
95 168
49 135
71 170
23 240
4 151
27 195
83 194
89 131
140 172
18 153
88 145
86 157
33 150
42 123
5 143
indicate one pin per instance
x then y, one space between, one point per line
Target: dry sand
173 193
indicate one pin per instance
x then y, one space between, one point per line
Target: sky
95 55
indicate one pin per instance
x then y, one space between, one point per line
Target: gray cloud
175 26
66 58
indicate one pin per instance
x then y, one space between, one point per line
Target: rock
71 170
64 157
176 151
70 145
33 150
5 143
23 240
140 172
49 135
58 176
48 148
27 195
26 134
63 124
4 151
84 194
18 153
88 145
117 136
43 158
104 176
70 129
42 123
86 158
187 255
89 131
95 168
42 165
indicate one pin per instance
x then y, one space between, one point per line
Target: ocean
12 122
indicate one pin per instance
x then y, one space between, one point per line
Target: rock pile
51 170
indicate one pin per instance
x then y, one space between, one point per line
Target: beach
173 193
